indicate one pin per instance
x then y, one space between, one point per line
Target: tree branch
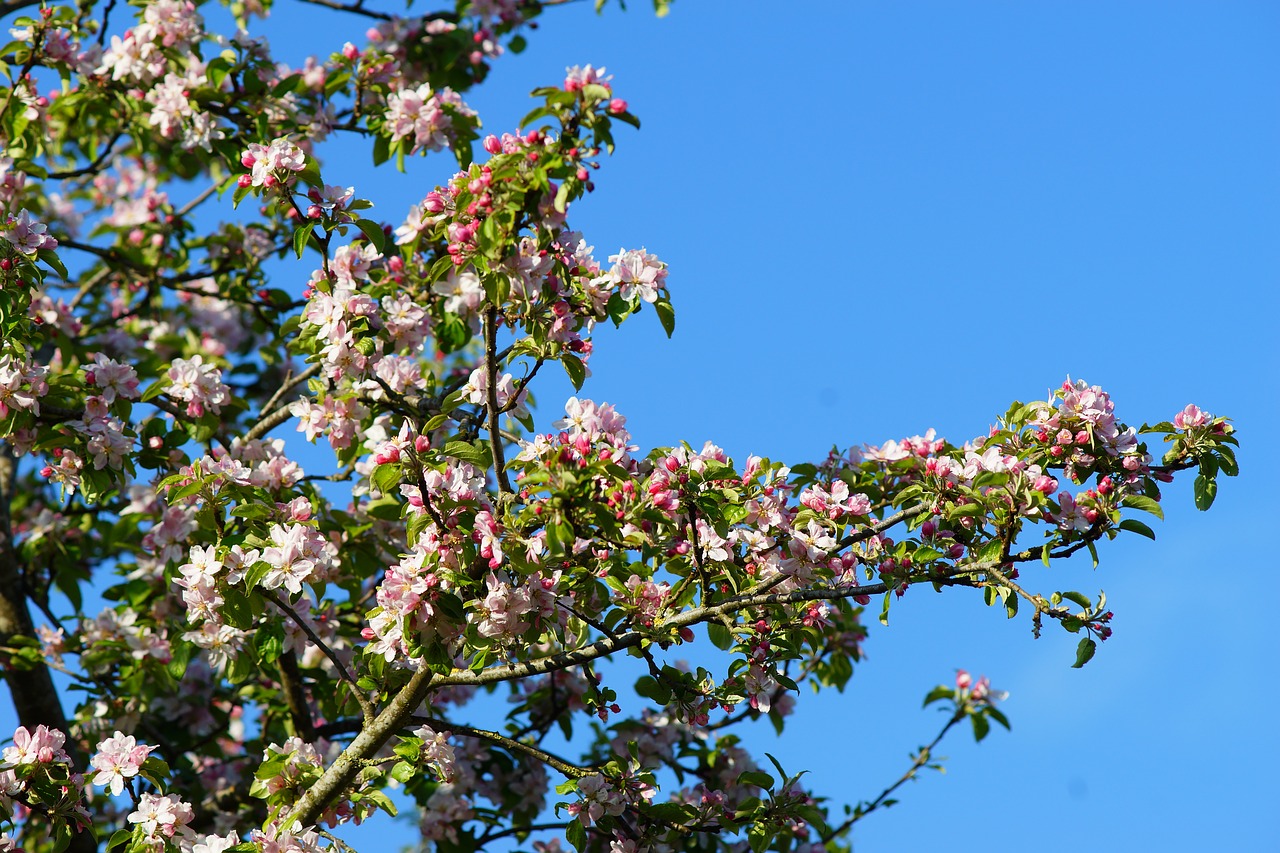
491 369
920 759
335 781
570 771
366 706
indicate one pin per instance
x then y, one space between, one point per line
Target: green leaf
666 315
562 197
1227 461
576 369
651 688
939 693
1135 526
386 478
720 635
1084 652
980 727
1206 489
477 454
53 262
155 389
926 554
576 834
756 777
373 231
1079 598
1143 503
301 236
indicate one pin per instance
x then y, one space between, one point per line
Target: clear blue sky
884 217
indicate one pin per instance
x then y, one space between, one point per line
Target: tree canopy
255 643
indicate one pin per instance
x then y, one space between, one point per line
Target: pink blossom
26 234
635 271
119 757
578 76
1190 417
266 161
41 745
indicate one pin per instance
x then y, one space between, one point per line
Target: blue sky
882 217
885 217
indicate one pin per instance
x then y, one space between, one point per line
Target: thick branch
34 696
338 778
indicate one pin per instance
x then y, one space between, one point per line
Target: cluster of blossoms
26 234
426 116
22 384
142 54
37 771
978 692
636 272
119 758
198 384
268 164
1083 424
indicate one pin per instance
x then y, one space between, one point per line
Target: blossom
40 745
578 76
636 272
26 234
112 378
162 818
197 384
264 161
425 115
118 758
1190 417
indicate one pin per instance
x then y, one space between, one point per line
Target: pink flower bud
350 51
492 144
617 106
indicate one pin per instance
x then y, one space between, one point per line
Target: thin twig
366 706
491 369
920 760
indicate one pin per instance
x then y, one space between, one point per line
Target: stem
570 771
491 368
366 706
920 760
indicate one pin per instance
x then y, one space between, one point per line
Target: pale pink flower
118 758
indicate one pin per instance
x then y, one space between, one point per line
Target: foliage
256 651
